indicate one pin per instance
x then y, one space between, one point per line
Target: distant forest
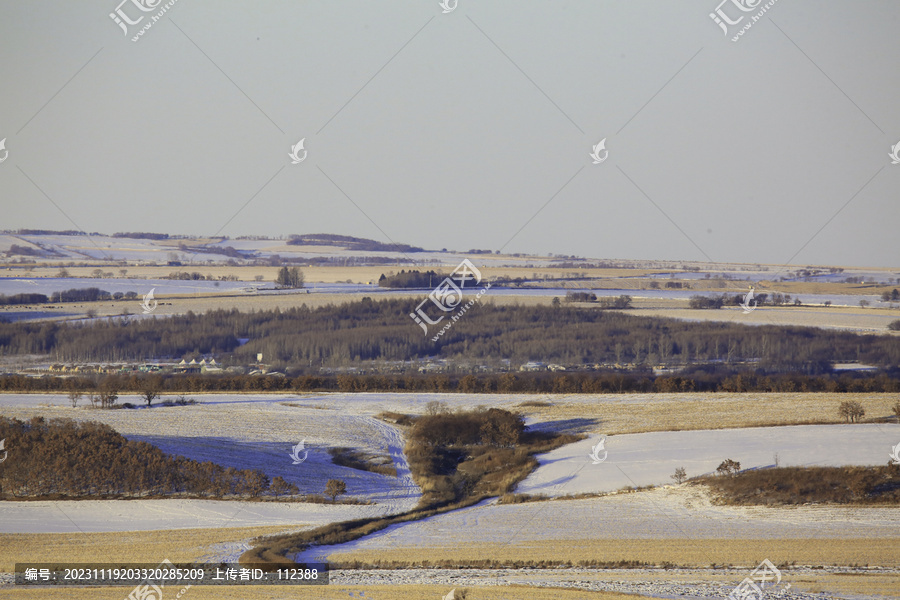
369 332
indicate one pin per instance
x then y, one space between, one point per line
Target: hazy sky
456 130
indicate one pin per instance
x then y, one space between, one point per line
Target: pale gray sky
453 130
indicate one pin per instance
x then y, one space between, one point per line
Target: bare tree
74 397
150 391
679 476
108 395
851 410
728 467
335 488
436 407
280 487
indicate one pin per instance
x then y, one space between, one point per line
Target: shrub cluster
494 427
62 458
801 485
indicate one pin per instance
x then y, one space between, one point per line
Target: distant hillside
349 242
139 235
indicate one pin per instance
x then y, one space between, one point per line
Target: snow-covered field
49 285
259 431
89 516
650 458
256 432
678 512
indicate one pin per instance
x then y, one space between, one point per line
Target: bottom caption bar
168 573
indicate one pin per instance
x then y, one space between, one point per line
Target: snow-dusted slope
650 458
232 430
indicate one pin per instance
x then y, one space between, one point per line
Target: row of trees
620 302
537 382
411 279
714 302
91 294
23 299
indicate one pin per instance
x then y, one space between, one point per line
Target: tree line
411 279
23 299
714 302
699 380
349 242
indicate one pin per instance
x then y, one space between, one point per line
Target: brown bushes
457 459
62 458
801 485
496 427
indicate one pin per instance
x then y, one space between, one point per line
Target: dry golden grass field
178 545
680 552
330 592
639 413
